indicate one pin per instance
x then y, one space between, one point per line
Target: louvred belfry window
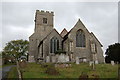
45 20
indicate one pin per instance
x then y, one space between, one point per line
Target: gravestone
53 59
48 59
84 60
66 58
112 62
70 65
57 55
67 65
77 60
90 63
96 62
61 58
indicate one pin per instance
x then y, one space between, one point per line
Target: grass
12 73
5 65
0 66
34 70
9 64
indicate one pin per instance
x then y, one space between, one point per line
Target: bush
83 76
60 51
43 65
51 70
107 59
23 64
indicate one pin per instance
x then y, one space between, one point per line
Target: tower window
45 20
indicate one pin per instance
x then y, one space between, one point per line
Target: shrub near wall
51 70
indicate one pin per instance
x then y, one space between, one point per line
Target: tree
0 54
113 53
16 49
107 59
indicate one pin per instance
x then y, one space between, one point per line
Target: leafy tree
0 54
113 53
107 59
16 49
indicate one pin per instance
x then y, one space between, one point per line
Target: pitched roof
64 32
48 35
66 36
32 35
96 38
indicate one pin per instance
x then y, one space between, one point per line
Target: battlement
44 12
44 18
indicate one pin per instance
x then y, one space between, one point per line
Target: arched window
80 39
54 45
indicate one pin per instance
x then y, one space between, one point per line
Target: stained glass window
80 39
54 45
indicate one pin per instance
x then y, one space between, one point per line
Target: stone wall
46 42
83 51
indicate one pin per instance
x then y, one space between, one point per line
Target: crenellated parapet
44 12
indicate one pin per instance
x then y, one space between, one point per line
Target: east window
80 39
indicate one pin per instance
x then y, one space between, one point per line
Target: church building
78 42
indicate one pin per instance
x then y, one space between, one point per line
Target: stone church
78 42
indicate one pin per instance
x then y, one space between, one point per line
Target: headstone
66 58
112 62
48 59
61 58
53 59
84 60
96 62
77 60
71 57
67 65
31 59
57 55
90 63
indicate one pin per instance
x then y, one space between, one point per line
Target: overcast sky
101 18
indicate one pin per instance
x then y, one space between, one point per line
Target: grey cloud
119 22
16 15
100 18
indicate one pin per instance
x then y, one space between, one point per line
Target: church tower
43 26
43 22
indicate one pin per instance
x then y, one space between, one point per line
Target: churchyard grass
12 73
34 70
5 65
